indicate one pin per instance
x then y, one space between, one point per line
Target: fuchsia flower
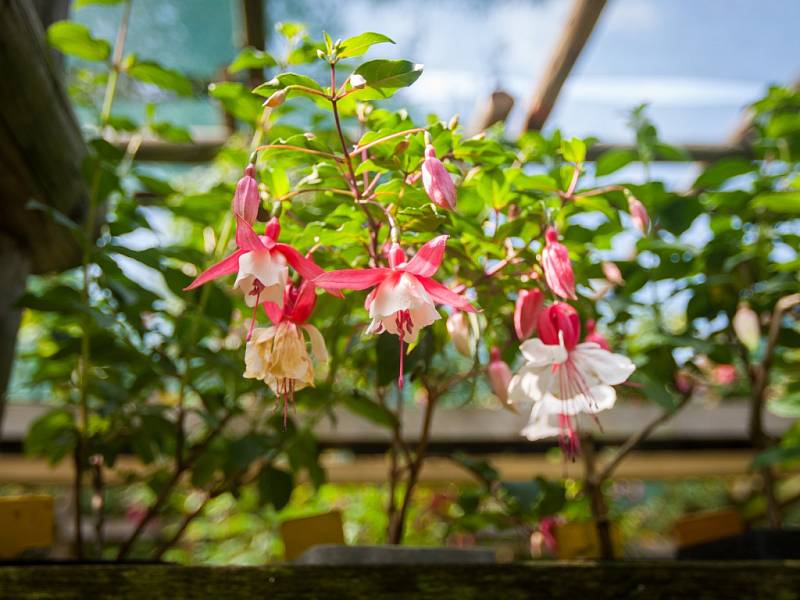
557 266
612 273
592 335
260 264
278 355
564 378
526 312
499 375
437 181
403 301
639 216
723 374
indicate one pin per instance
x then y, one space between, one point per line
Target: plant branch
292 147
359 149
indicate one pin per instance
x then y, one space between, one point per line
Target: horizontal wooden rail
555 581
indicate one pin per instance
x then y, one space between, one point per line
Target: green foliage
76 40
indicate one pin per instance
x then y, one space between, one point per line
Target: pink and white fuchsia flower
564 378
437 181
557 266
405 295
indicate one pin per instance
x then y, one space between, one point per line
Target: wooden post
41 152
495 110
579 27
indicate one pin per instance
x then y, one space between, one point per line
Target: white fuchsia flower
564 378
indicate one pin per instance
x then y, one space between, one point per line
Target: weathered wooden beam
553 580
579 27
495 110
41 147
255 35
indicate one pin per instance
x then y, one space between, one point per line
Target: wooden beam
255 35
41 146
696 152
495 110
579 27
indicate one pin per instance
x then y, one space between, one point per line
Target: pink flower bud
459 329
592 335
276 99
683 382
723 374
747 327
499 375
273 229
612 273
557 266
526 312
560 322
437 181
639 216
396 255
246 200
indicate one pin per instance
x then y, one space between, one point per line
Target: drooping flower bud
357 81
437 181
592 335
526 312
559 323
747 327
276 99
499 376
245 201
639 216
723 374
612 273
557 266
460 332
396 255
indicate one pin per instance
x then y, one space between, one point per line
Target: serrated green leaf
613 160
359 44
82 3
75 39
275 486
787 203
369 409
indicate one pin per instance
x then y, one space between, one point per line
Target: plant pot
758 544
26 523
707 526
341 555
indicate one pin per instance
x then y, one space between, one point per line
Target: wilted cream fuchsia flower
639 216
592 335
499 376
526 312
557 266
437 181
747 327
403 301
278 355
565 378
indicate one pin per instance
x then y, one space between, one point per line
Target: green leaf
613 160
779 202
284 80
721 171
786 406
275 486
251 58
778 455
171 133
81 3
573 150
385 77
52 435
359 44
75 39
151 72
369 409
